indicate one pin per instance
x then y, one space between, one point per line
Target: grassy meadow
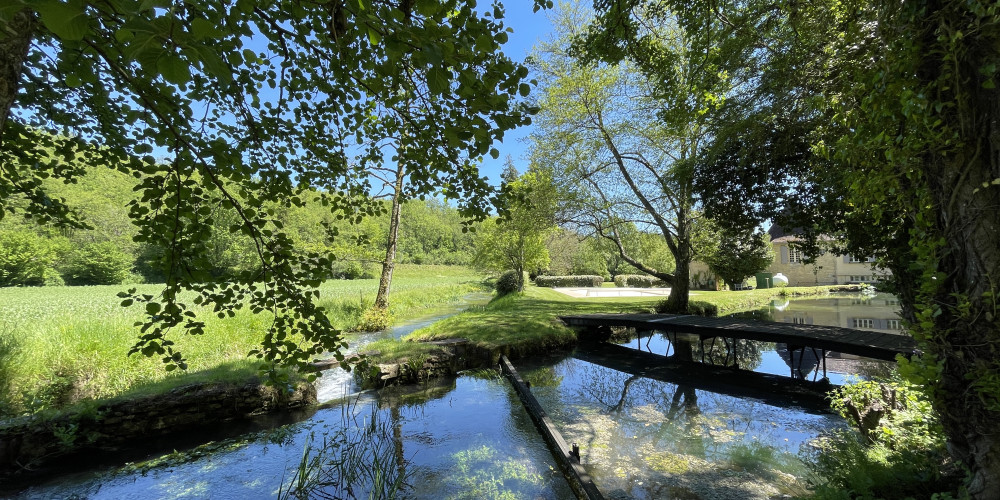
61 345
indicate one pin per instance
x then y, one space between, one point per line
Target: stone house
828 269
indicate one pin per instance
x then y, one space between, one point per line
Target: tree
901 99
623 144
735 256
516 240
248 103
26 259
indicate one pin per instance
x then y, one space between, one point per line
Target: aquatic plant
359 459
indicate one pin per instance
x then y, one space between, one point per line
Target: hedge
637 281
581 280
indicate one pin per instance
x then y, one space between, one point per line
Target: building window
862 323
798 321
861 260
795 255
894 324
859 279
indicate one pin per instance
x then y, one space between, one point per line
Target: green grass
60 345
530 320
527 321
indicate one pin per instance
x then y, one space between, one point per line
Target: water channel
471 438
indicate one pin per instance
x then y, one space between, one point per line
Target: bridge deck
869 344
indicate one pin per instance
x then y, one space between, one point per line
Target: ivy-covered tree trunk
15 39
947 263
965 335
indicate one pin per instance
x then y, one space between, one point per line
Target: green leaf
374 37
152 308
438 80
203 28
66 20
174 69
73 81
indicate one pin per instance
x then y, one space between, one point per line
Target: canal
470 437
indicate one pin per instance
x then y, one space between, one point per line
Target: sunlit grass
59 345
529 321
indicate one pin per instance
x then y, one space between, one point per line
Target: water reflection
647 438
466 438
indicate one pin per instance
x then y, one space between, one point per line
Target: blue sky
528 28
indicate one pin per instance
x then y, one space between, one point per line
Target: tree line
106 251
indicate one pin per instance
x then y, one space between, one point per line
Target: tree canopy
220 108
875 123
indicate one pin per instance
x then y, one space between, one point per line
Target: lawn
530 320
60 345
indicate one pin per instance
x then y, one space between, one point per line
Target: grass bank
530 320
62 345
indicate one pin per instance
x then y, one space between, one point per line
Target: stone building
828 269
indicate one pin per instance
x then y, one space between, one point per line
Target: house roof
779 234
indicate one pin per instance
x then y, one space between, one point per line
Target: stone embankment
28 443
450 357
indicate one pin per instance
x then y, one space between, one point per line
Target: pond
471 438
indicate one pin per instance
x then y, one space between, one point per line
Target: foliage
735 255
637 281
98 264
872 122
896 450
516 240
579 280
374 319
621 144
510 282
26 259
250 108
696 307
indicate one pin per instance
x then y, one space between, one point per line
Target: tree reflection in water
645 437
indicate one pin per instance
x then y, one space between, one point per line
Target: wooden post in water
567 458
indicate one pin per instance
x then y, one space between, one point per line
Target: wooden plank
581 483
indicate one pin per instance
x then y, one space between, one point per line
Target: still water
471 438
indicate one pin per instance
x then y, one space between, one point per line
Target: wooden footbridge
876 345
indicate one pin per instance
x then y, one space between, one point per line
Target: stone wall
451 357
29 442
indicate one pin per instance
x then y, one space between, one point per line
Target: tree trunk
963 216
15 40
385 281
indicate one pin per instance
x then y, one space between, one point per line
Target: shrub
99 264
374 319
696 307
25 259
510 282
637 281
896 449
581 280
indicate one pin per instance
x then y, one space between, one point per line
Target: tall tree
248 103
516 240
623 144
901 98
